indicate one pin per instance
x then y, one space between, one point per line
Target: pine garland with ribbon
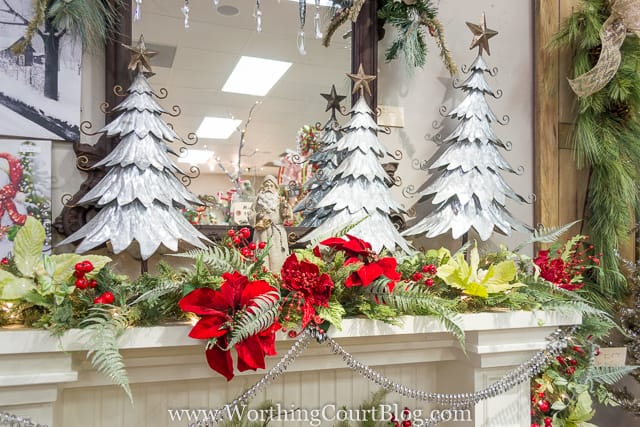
410 18
605 137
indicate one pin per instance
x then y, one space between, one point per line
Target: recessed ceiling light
196 157
255 76
227 10
217 127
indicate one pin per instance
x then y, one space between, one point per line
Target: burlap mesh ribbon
625 17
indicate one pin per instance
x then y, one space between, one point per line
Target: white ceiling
208 50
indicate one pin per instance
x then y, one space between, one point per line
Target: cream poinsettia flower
475 281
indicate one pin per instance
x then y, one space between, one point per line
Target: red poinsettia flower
358 250
217 309
307 285
373 270
352 246
556 271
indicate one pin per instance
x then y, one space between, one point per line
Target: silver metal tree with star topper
468 191
324 162
359 195
140 198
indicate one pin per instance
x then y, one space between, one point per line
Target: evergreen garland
605 139
91 20
410 20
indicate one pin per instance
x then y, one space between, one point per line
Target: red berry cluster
240 240
81 269
406 419
568 364
548 422
567 273
429 270
105 298
4 261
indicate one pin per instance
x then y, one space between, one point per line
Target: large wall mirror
194 64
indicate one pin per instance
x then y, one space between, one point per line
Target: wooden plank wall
559 185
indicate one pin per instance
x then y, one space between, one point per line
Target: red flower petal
250 354
353 246
203 301
369 272
353 280
209 327
316 251
253 290
220 361
352 260
268 339
232 287
357 246
389 266
334 242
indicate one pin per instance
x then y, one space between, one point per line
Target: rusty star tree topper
140 56
361 81
333 99
481 35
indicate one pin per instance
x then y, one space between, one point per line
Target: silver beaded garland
7 419
558 341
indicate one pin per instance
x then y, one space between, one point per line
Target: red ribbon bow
9 191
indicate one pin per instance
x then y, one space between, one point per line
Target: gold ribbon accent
625 17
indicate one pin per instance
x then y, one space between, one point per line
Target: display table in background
51 381
218 232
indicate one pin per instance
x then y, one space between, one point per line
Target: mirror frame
364 50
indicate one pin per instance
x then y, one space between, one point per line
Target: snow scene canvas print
25 188
40 85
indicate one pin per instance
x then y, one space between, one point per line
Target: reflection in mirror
194 64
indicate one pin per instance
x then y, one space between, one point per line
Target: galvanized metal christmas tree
359 195
324 162
140 197
468 191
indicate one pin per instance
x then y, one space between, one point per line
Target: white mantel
50 380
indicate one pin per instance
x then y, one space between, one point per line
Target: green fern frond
414 301
546 235
101 332
218 258
609 374
165 287
256 318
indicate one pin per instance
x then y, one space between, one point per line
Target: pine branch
92 20
101 331
438 34
259 315
338 19
605 139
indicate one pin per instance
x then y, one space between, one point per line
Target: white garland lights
558 341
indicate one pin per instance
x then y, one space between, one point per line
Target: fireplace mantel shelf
49 378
